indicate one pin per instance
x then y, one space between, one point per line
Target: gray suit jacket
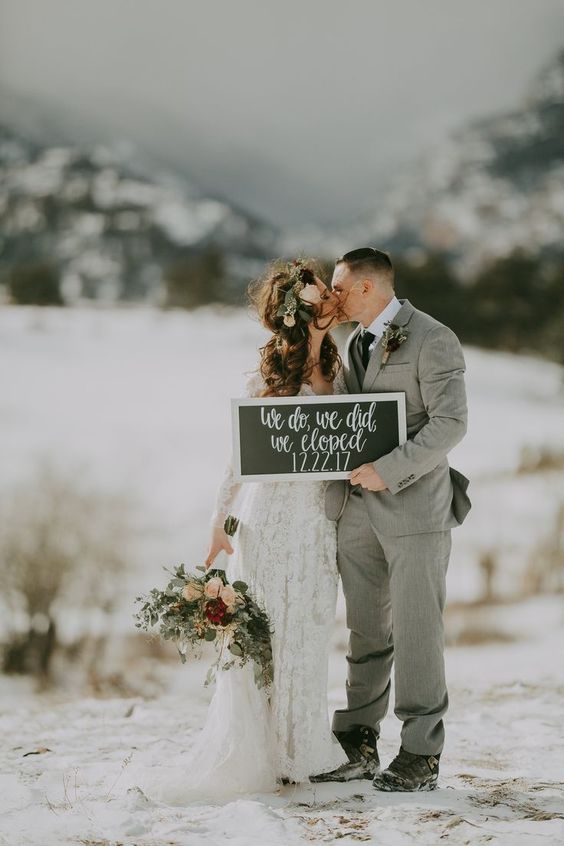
424 494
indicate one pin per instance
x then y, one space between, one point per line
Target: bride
285 550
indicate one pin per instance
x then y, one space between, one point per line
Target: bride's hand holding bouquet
194 609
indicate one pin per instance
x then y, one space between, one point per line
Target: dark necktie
366 339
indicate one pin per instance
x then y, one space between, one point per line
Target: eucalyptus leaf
240 586
235 649
210 634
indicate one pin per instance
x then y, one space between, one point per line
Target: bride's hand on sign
367 477
219 541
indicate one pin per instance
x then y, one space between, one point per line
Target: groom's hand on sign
367 477
219 541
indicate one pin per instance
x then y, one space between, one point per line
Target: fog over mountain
298 112
117 224
493 186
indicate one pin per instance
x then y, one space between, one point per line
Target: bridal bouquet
193 609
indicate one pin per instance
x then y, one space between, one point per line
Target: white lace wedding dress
285 550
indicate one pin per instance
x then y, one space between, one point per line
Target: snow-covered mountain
114 222
110 222
495 185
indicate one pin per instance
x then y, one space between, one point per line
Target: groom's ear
365 285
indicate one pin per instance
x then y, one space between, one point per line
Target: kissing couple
386 531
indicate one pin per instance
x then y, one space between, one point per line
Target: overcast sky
296 109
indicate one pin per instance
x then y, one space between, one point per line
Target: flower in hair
294 303
310 294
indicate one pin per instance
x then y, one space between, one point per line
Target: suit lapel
374 367
402 318
352 364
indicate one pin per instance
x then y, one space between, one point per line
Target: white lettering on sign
328 419
272 418
357 418
281 443
298 419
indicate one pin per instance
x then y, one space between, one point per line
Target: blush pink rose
310 294
213 587
228 595
192 591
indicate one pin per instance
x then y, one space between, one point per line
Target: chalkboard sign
319 437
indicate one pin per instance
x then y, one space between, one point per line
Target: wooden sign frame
329 468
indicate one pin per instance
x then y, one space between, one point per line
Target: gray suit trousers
395 594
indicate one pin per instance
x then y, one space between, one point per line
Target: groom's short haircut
369 260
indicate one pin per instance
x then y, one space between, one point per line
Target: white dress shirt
377 327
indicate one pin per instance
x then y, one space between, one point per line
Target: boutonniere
392 339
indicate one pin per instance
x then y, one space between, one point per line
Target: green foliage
432 287
515 303
236 649
34 283
196 279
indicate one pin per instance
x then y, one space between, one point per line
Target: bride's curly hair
284 358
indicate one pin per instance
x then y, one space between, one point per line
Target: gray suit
394 545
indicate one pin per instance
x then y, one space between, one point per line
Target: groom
394 521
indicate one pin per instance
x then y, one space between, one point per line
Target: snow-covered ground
138 401
502 773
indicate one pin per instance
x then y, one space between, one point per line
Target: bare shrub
488 564
63 550
545 568
540 459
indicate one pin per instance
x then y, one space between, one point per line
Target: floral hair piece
299 298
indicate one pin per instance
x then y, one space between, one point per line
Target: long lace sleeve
339 384
229 489
226 497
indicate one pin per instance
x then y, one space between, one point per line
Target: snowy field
137 401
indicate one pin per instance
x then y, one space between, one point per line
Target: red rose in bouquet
215 610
